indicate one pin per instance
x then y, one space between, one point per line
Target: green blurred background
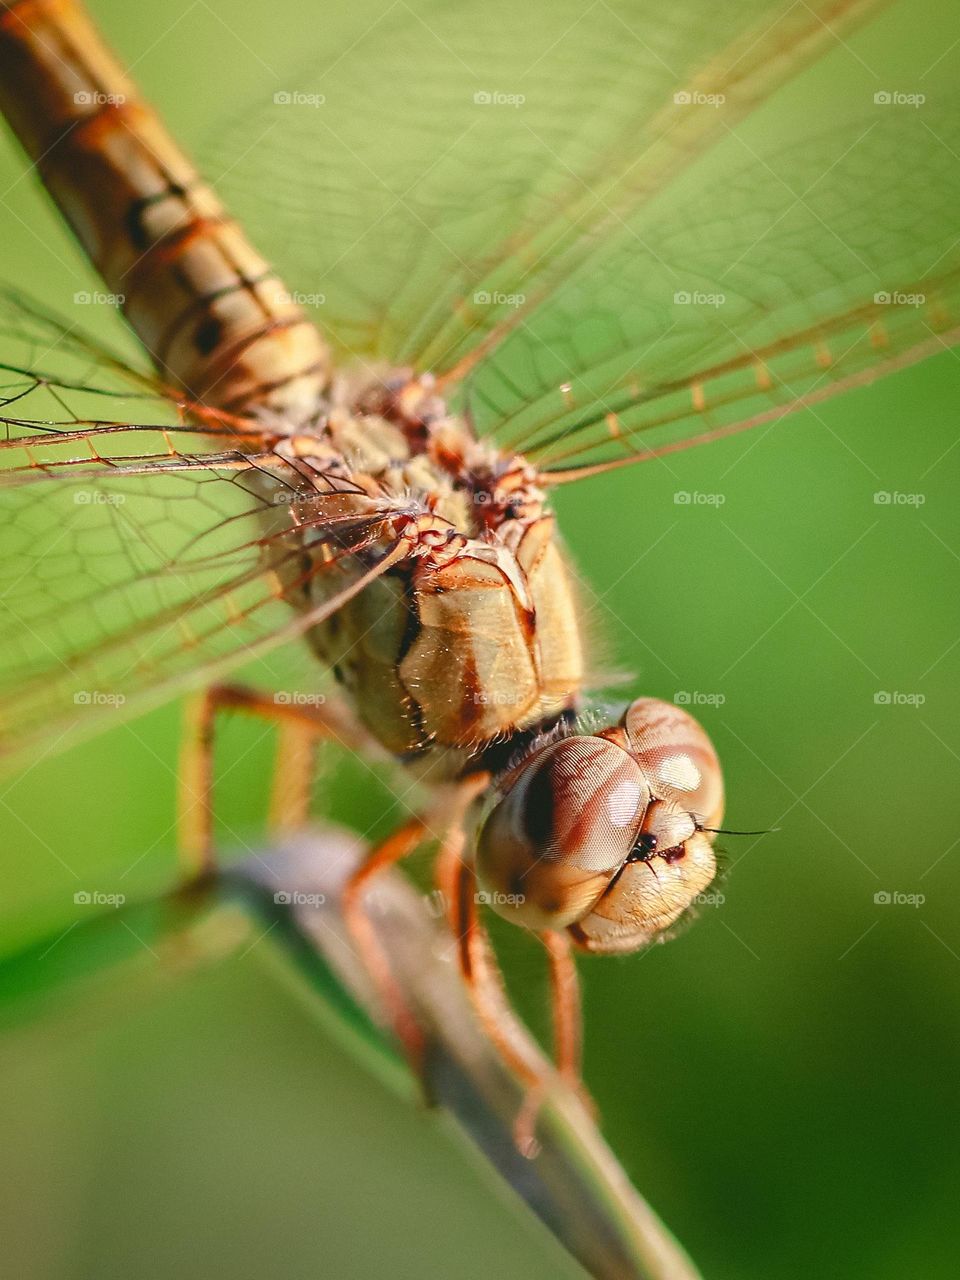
781 1082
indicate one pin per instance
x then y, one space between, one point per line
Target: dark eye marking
645 847
538 809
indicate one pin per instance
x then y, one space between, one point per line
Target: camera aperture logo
895 898
897 98
894 498
897 698
97 898
497 98
297 98
98 698
698 298
697 98
301 298
493 898
96 98
98 498
899 299
500 698
495 299
698 698
297 698
297 898
97 298
686 498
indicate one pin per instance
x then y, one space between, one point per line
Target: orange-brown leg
566 1013
291 791
446 870
398 845
565 1005
486 987
293 775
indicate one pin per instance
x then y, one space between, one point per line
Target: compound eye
677 759
562 831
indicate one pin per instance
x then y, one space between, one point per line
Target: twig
574 1184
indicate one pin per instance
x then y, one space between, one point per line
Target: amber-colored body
215 319
451 624
472 640
475 635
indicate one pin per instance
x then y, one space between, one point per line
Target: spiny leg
290 797
397 846
488 993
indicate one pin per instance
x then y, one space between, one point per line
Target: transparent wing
827 264
521 207
142 554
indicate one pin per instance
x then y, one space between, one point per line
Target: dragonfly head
605 834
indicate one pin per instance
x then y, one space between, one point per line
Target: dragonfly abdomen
216 320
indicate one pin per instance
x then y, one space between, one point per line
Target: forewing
531 210
142 554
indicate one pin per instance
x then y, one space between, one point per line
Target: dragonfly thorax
473 636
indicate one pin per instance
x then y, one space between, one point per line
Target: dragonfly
518 274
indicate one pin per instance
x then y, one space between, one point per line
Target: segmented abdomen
216 321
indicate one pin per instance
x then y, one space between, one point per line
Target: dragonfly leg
565 1005
485 984
300 728
399 844
449 818
567 1013
458 885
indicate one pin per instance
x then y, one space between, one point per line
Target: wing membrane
532 244
140 556
785 284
